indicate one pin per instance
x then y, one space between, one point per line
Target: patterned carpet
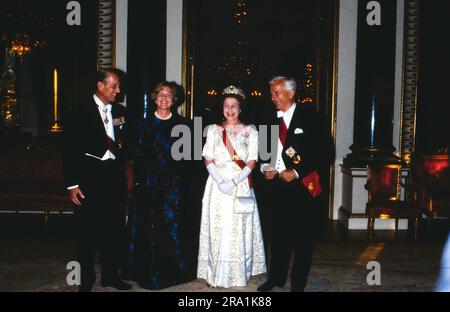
39 265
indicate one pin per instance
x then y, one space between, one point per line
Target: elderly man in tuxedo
294 180
95 178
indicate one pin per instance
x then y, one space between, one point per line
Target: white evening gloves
227 186
214 173
242 175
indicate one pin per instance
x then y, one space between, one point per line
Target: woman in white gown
231 247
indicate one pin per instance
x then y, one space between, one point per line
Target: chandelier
22 45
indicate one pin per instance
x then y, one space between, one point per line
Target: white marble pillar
345 104
174 45
121 34
121 42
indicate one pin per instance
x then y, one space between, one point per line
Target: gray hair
289 83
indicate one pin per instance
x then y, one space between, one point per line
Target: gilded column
105 34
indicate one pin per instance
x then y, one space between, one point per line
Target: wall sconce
55 128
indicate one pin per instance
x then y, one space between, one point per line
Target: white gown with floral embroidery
231 245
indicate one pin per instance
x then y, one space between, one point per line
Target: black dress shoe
268 286
117 284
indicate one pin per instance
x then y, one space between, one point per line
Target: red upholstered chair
431 176
32 182
384 186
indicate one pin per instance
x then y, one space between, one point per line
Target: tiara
233 90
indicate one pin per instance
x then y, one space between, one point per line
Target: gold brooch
235 157
310 187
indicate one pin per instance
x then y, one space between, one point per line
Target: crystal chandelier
22 45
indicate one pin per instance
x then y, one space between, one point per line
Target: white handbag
243 202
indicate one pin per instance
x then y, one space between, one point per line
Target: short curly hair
174 88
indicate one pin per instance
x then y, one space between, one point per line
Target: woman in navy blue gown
155 222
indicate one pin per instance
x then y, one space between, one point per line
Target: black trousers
292 224
101 221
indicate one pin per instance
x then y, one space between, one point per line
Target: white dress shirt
105 113
279 163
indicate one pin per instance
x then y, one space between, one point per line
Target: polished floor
35 260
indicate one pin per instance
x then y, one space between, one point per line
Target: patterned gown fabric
231 245
154 221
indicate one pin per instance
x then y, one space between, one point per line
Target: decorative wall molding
105 34
410 77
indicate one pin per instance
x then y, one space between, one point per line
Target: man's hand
74 193
288 175
270 175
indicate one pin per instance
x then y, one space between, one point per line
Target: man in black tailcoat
294 179
94 169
